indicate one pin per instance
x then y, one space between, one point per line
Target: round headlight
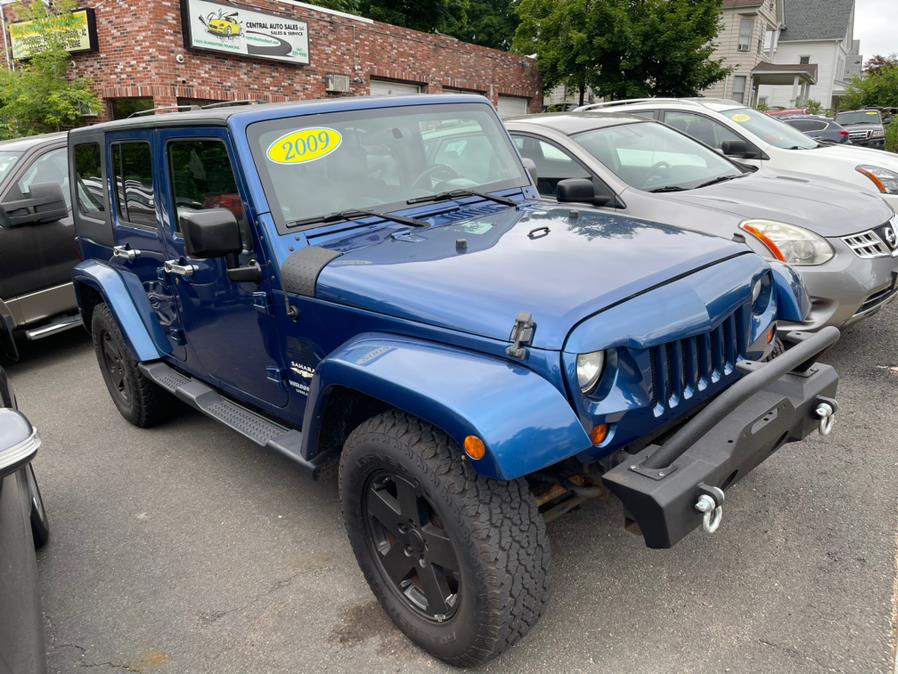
789 243
589 369
761 292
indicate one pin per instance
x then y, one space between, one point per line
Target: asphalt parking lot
187 549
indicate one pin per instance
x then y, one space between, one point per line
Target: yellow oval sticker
872 113
740 118
300 147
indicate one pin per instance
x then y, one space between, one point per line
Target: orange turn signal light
771 334
598 434
766 240
474 447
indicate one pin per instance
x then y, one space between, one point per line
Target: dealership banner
80 29
226 29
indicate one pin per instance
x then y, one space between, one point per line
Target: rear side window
89 180
133 170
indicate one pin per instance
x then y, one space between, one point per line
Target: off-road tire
497 534
137 398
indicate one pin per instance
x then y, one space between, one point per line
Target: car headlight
761 292
876 133
789 243
886 181
589 369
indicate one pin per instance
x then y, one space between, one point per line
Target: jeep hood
829 208
562 265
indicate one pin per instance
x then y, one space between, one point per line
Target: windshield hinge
260 303
521 335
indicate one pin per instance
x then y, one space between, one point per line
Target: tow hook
710 504
826 413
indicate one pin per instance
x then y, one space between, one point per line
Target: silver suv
864 127
754 138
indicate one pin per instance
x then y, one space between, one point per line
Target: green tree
491 23
444 16
814 107
878 89
623 48
39 95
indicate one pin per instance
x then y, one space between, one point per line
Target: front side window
50 167
708 131
380 158
133 169
202 177
89 191
7 161
552 163
770 130
651 157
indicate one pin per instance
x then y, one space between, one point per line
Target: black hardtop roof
25 144
570 123
219 116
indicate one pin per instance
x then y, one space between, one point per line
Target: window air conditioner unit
742 47
338 84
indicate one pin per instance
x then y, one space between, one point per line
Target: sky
876 26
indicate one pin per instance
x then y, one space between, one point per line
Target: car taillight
844 133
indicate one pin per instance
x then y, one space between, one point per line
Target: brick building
155 53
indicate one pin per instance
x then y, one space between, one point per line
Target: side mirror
212 232
739 148
580 190
44 203
530 165
19 441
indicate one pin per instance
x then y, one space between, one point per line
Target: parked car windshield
770 130
650 156
859 117
381 158
7 161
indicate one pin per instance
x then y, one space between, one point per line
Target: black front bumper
774 403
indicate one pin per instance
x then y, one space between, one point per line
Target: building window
746 28
768 40
739 88
133 168
804 60
122 108
89 180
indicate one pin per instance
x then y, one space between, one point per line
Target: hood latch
521 335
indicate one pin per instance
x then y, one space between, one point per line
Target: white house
817 32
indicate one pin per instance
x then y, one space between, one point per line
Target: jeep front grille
685 366
867 245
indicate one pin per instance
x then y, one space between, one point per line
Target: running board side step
59 325
251 425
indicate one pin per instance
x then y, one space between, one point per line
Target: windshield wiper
668 188
719 179
460 194
355 214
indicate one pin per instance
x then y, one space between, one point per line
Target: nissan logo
891 235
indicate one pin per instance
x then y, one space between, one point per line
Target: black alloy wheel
413 550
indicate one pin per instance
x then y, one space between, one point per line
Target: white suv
755 138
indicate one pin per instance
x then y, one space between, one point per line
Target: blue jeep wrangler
374 282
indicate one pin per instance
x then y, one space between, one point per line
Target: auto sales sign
226 29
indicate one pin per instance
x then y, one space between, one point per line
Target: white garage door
387 88
509 106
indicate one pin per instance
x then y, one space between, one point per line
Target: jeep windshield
380 160
858 117
770 130
655 158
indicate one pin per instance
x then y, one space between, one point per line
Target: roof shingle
816 19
